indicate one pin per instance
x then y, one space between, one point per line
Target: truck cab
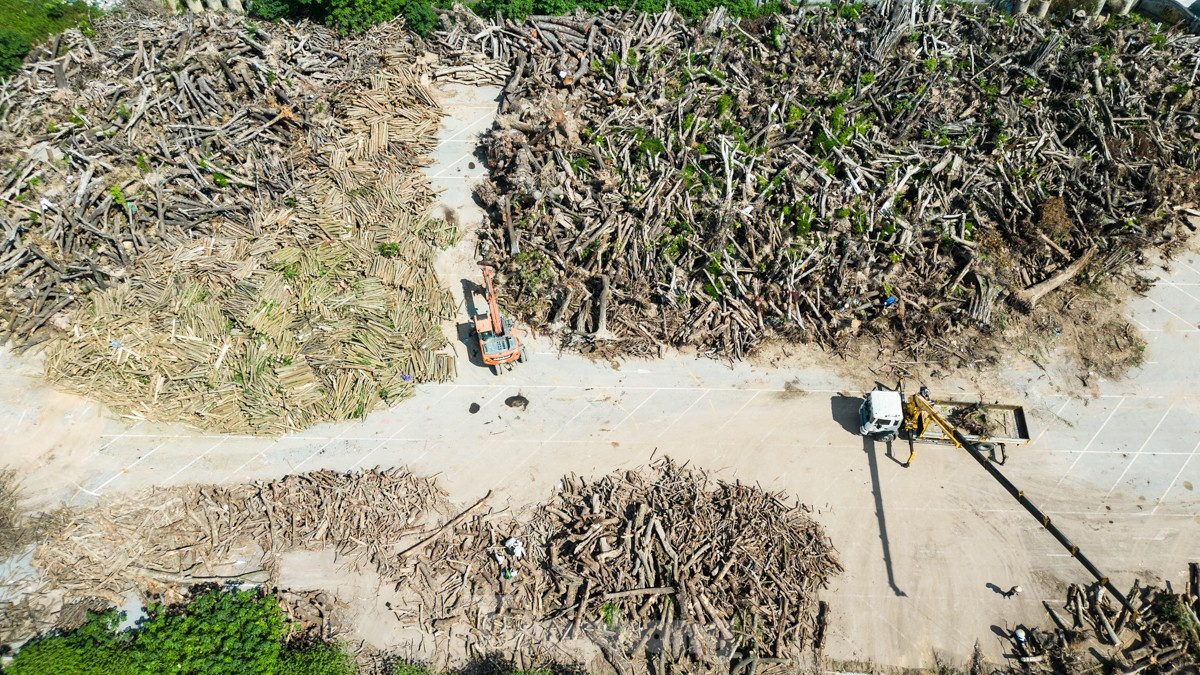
880 415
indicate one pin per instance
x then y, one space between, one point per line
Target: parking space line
739 410
680 415
631 412
1057 413
262 452
117 437
1176 478
1089 443
187 466
320 449
1143 447
465 129
96 490
1191 325
381 444
586 405
1180 289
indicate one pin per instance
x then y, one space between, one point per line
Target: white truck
885 414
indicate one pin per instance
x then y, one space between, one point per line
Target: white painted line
739 410
381 444
116 438
685 411
1175 479
631 412
1190 325
246 463
464 130
498 394
322 448
586 405
1089 443
1057 413
101 486
1180 289
185 467
1143 447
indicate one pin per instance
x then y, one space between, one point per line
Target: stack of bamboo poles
315 311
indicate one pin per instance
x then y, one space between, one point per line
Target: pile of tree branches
889 171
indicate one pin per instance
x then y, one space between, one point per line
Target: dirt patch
1081 334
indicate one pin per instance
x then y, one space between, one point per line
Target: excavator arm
493 308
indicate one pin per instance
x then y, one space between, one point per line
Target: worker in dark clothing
1015 590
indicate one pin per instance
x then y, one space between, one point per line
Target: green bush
13 48
94 649
315 659
513 9
278 9
553 6
219 632
420 17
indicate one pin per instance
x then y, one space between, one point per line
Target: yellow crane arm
921 404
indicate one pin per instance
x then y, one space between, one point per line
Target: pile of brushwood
1162 637
223 225
910 171
192 534
662 568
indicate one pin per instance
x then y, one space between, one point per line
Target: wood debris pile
715 571
1164 637
192 534
892 171
229 223
662 567
659 568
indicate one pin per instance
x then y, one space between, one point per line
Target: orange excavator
497 344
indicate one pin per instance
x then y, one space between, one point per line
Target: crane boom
962 441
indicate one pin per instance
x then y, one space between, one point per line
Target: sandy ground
1115 465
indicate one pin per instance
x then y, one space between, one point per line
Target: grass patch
28 22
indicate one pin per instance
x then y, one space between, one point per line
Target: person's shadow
995 588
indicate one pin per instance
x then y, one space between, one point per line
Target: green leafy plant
118 197
218 632
13 48
315 659
221 631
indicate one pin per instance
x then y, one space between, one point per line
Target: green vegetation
350 15
1172 609
26 22
220 632
691 9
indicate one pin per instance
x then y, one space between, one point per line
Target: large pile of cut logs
662 568
229 225
697 569
892 171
